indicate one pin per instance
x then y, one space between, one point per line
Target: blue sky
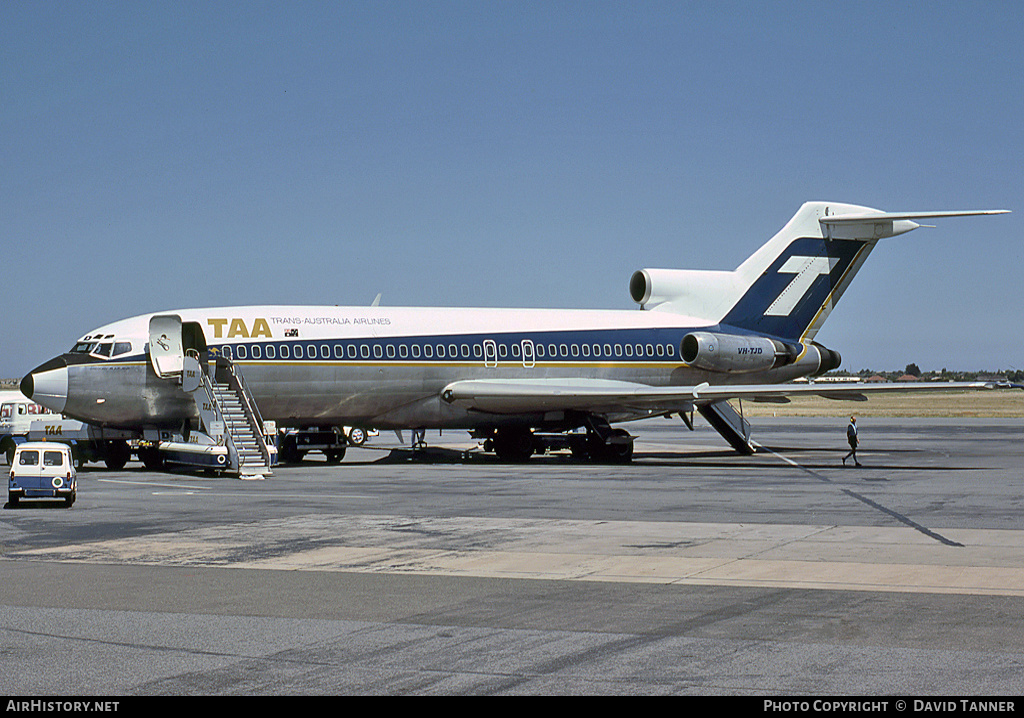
172 154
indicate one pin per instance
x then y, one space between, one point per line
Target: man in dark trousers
851 436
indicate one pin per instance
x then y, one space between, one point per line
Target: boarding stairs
229 414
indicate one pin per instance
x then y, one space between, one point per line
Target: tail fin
788 287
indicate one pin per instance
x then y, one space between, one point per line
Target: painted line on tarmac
865 500
156 484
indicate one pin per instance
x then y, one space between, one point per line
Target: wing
600 396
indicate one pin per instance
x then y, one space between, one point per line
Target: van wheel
69 501
12 499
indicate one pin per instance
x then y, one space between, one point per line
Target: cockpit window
121 348
103 350
83 347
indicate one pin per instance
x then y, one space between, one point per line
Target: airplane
703 338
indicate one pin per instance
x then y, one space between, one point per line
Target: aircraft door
165 347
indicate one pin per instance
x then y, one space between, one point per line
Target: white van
42 469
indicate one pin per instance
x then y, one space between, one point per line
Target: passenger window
271 352
286 351
378 351
364 351
53 458
240 352
257 352
351 351
403 351
29 458
298 351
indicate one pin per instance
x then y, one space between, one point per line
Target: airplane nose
47 385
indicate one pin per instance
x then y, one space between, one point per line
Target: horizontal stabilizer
866 217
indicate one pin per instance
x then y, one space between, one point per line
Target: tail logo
806 269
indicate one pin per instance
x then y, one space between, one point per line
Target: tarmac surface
693 570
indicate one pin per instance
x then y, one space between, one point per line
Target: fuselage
372 366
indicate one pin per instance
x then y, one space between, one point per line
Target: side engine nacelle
736 354
733 353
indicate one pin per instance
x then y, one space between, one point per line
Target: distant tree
913 370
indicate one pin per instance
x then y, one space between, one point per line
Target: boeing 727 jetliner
174 380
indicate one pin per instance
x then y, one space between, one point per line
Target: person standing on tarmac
851 436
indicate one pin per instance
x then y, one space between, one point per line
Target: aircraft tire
513 445
116 455
151 459
617 451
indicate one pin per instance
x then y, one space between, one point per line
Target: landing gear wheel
151 458
513 445
116 455
356 436
619 449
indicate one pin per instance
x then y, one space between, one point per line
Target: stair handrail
252 411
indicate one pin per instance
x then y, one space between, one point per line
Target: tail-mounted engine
737 354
